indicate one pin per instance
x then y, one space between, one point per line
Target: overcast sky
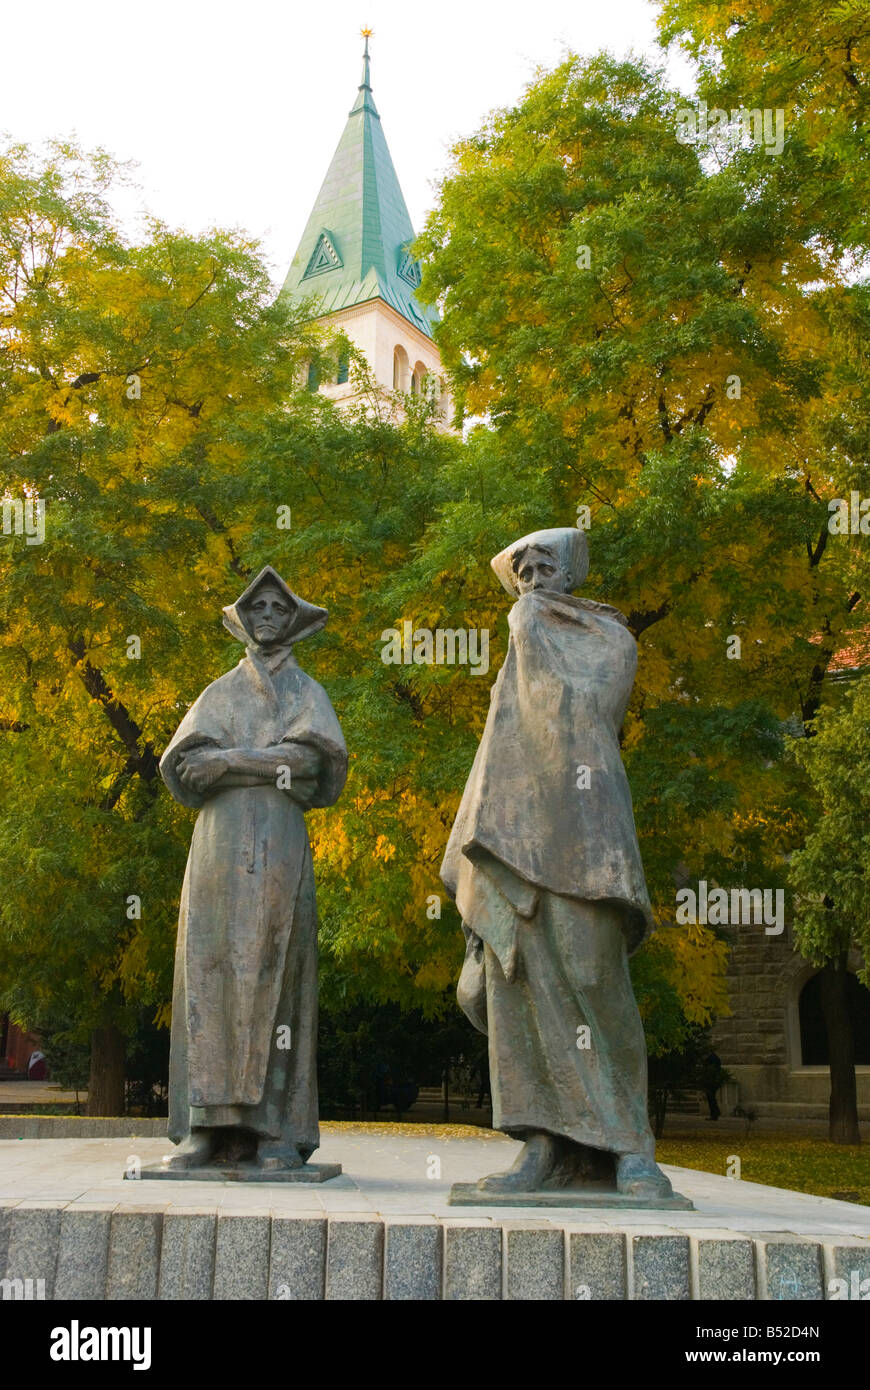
232 111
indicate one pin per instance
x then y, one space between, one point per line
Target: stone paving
389 1175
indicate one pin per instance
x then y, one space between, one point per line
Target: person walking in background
711 1076
37 1067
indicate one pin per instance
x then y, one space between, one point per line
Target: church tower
354 257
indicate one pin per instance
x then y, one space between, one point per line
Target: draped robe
547 876
246 956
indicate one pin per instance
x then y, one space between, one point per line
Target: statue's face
270 615
538 569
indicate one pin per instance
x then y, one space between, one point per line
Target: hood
567 542
307 618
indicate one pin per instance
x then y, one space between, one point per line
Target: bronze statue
259 748
544 865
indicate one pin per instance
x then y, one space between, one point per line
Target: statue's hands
302 790
303 759
201 768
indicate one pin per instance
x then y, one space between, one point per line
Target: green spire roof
355 246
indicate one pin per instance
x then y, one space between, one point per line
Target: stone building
355 258
775 1041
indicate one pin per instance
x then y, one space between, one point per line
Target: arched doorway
813 1034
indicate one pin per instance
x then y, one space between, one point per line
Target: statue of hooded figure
544 865
258 748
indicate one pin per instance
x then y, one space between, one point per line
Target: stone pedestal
69 1229
468 1194
310 1172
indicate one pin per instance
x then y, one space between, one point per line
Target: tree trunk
108 1067
659 1109
843 1109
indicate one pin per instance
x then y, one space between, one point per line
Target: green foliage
697 381
829 874
151 398
153 395
68 1060
811 60
129 375
376 1056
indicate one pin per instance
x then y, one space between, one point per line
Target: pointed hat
307 618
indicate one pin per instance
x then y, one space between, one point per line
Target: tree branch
816 554
640 620
142 760
219 529
663 418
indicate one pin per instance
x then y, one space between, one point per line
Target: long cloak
544 865
246 955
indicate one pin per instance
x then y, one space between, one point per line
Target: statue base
468 1194
242 1172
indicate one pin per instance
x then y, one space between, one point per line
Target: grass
414 1131
67 1109
793 1161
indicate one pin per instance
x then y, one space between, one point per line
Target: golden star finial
366 33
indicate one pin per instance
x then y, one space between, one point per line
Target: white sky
232 111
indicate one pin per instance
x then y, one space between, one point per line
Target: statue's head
538 567
268 615
556 560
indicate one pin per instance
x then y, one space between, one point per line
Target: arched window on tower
401 369
814 1034
343 369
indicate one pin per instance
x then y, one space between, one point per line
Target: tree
150 400
132 378
830 880
812 61
673 1074
651 335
